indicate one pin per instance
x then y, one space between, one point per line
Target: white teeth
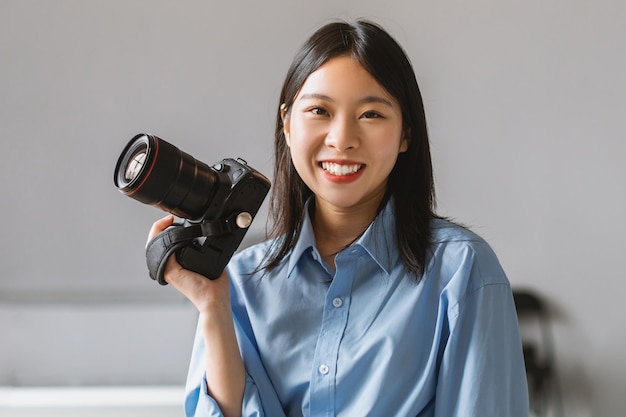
338 169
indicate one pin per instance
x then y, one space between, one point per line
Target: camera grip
164 244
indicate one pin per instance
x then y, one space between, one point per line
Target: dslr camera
216 203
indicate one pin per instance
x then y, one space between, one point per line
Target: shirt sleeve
199 403
482 371
259 400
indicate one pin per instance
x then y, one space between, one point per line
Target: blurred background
525 102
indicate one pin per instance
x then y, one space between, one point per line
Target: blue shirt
369 339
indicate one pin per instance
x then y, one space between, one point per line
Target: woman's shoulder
447 231
456 247
248 259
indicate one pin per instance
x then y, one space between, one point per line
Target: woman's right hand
225 373
204 293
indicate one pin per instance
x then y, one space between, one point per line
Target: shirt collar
305 242
379 239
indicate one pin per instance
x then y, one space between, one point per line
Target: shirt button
323 369
337 302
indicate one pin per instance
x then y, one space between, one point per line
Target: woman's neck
336 228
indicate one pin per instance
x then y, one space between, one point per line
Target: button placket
334 321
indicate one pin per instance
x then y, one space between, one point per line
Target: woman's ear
404 142
284 115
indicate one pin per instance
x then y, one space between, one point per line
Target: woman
363 301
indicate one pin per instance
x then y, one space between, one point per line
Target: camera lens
135 165
155 172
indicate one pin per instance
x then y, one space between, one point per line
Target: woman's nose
342 134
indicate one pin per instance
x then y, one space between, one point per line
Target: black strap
164 244
176 237
220 227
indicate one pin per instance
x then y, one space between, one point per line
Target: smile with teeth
339 169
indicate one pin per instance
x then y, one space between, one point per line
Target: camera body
217 203
239 195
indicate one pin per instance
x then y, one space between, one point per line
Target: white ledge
70 397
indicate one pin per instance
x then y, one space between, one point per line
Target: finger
160 225
202 292
178 276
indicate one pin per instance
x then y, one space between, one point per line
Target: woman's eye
318 111
371 115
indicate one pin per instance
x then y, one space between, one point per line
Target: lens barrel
156 172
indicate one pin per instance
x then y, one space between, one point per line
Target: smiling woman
381 66
362 301
344 132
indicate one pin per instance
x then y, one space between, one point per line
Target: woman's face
344 132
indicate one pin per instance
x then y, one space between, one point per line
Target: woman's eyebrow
375 99
316 96
364 100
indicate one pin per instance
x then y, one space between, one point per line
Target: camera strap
176 237
220 227
164 244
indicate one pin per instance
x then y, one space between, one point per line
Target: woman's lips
343 172
340 169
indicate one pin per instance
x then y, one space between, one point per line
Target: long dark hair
411 181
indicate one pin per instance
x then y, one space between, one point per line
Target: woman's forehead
343 77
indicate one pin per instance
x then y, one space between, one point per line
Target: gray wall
525 100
